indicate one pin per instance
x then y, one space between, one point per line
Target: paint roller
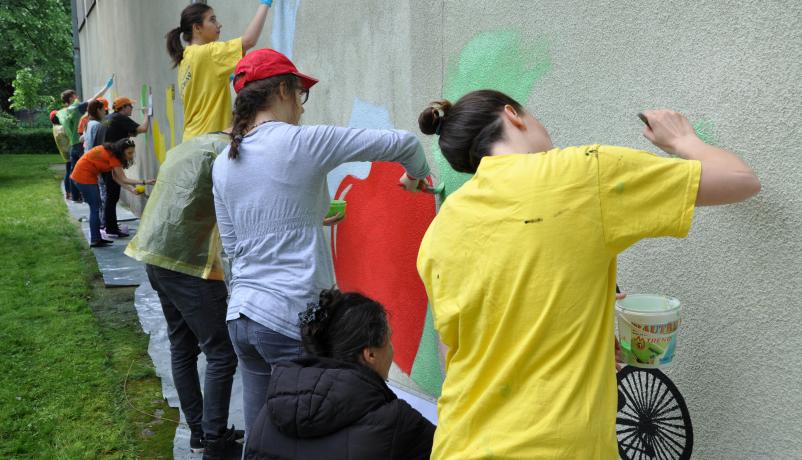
644 119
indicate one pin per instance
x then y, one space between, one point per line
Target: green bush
7 122
39 140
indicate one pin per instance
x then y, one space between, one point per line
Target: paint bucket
647 329
335 207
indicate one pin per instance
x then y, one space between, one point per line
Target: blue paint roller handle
266 2
110 81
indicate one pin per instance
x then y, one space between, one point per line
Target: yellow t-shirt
520 269
203 82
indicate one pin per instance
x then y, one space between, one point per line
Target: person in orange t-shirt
114 157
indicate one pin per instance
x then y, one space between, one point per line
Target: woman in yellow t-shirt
519 266
206 65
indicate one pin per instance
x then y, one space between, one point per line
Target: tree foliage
36 34
28 91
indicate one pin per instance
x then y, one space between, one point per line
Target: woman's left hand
619 356
333 220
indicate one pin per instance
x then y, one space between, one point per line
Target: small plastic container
335 207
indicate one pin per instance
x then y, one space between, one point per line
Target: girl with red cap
270 196
204 67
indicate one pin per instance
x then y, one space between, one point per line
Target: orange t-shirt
82 124
95 161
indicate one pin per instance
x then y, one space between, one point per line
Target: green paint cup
335 207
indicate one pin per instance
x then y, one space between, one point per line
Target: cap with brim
121 102
266 63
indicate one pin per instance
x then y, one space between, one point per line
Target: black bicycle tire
630 374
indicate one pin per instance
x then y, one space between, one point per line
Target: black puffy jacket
322 409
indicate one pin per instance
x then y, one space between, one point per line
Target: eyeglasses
304 94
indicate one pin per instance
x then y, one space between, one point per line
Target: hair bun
430 120
317 315
329 298
314 321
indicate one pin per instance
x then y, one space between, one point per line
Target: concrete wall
585 69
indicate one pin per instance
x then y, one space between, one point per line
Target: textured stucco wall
585 69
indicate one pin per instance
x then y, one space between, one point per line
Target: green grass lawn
66 342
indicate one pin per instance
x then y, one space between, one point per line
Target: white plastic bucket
647 329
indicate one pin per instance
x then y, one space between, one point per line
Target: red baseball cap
53 115
266 63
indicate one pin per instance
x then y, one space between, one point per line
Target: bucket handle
640 329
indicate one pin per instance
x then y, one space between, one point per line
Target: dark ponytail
117 148
191 15
341 325
469 128
252 98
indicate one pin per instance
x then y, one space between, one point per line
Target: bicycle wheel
653 421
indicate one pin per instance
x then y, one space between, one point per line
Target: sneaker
100 244
227 446
103 240
197 443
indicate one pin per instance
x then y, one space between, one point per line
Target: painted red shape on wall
375 249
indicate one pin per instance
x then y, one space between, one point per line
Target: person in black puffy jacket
333 403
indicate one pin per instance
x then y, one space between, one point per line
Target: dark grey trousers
195 310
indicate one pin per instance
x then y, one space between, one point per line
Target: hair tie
238 138
439 125
314 313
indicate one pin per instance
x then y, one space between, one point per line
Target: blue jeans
92 198
76 151
258 348
195 310
67 182
101 185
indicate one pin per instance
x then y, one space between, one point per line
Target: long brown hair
254 97
191 15
468 128
118 148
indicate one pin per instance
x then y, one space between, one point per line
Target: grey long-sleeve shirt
270 203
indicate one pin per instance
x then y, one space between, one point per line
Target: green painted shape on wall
499 60
143 100
705 130
426 370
